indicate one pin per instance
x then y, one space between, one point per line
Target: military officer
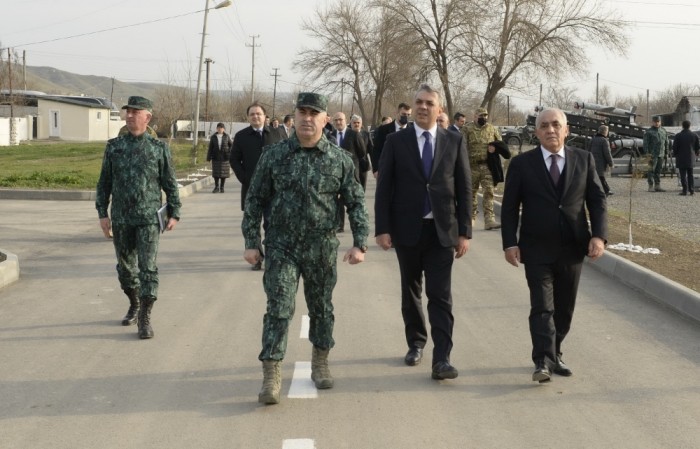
298 181
656 146
135 168
478 134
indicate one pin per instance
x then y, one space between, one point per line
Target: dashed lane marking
298 444
304 327
302 386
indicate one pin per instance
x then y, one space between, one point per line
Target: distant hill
53 81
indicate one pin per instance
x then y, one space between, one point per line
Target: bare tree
561 97
439 27
511 41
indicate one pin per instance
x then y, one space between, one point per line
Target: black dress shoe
542 372
443 370
560 368
216 190
414 356
221 190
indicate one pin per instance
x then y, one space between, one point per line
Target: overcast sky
166 36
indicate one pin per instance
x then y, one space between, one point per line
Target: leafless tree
510 42
439 28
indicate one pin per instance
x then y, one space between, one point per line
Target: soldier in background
656 146
478 134
135 168
297 180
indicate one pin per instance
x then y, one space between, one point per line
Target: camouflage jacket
134 170
656 142
478 139
300 187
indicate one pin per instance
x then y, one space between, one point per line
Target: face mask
481 121
403 120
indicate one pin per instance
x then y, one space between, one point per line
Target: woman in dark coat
600 148
218 154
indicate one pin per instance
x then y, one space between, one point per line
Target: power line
102 31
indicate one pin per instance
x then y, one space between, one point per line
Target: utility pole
208 62
252 76
342 87
274 90
597 75
13 132
24 68
508 109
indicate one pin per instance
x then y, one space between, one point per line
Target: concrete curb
640 279
9 268
649 283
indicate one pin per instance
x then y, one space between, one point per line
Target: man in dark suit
285 131
459 121
380 134
555 185
422 207
356 125
351 142
247 148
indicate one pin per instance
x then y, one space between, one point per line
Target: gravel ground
669 211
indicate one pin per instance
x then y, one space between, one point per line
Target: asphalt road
72 377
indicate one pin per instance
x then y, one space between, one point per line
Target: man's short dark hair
686 124
288 118
254 104
403 106
458 116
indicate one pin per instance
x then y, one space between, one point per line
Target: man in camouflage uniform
478 134
135 168
656 146
298 180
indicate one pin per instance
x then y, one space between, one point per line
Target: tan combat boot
320 373
272 382
490 224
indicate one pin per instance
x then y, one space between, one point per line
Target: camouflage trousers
481 175
315 262
654 173
136 247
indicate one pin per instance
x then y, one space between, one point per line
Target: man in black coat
247 148
380 134
356 125
351 142
686 148
423 208
555 185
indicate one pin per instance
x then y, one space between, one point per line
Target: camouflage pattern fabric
656 146
478 138
134 170
481 175
299 187
137 249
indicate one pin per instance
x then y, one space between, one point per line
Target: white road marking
302 386
298 444
304 327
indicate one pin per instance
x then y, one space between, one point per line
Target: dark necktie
340 138
554 169
427 158
260 134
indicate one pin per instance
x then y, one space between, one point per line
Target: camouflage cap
136 102
482 111
312 100
656 118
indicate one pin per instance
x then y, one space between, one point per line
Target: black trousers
604 183
687 180
553 289
433 261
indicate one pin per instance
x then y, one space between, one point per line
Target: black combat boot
145 329
130 317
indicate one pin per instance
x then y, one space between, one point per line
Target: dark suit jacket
367 139
380 135
401 189
454 128
246 151
685 148
528 184
354 145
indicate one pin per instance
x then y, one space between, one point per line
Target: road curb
9 268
